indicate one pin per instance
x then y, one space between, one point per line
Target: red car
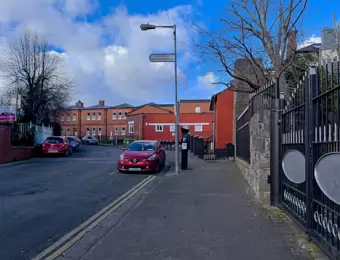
57 145
142 156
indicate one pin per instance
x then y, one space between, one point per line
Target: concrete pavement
45 198
203 213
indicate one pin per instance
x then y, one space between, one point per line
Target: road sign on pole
162 57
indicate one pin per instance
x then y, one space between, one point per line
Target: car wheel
66 153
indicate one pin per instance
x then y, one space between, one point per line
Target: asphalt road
43 199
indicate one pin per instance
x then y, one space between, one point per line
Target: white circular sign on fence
327 175
293 165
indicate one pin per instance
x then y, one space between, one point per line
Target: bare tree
32 69
256 32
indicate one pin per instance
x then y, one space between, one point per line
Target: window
88 130
67 131
99 116
62 131
68 117
114 116
93 116
125 115
88 117
116 132
172 128
62 117
143 146
198 128
131 127
93 131
197 110
99 131
119 115
159 128
74 118
123 131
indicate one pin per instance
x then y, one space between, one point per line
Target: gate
310 156
209 149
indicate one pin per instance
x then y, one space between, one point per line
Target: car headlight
121 158
152 158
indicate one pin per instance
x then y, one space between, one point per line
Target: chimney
79 104
101 103
292 44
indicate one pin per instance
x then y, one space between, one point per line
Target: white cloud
205 82
109 59
310 40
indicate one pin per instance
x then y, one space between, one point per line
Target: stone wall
257 171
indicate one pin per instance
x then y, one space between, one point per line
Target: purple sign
7 114
11 117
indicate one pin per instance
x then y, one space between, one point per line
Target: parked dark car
57 145
142 156
89 140
75 142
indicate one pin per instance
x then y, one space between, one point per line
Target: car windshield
52 140
89 137
71 139
142 146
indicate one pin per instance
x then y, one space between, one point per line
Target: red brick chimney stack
292 44
79 104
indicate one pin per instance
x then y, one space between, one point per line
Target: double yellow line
76 234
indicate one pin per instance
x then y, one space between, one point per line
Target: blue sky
107 55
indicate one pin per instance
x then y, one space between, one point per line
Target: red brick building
149 121
222 105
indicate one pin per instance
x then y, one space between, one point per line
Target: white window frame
67 131
198 110
131 127
99 116
172 128
94 131
198 128
94 116
88 131
62 117
125 115
88 116
74 117
123 131
159 128
116 131
68 117
114 116
120 116
99 131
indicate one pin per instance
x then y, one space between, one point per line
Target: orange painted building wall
186 107
224 119
152 120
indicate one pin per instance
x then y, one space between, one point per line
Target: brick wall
8 153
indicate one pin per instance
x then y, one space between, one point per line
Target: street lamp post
146 27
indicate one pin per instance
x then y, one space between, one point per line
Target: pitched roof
124 105
314 47
152 105
97 107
